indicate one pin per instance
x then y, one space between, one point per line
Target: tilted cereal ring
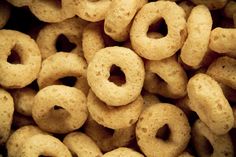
43 145
6 114
159 48
230 9
18 138
122 151
187 7
201 135
23 99
92 10
184 104
5 11
185 154
211 4
71 28
20 3
82 145
114 117
59 109
71 65
99 71
119 17
174 76
209 102
199 26
109 139
153 119
30 59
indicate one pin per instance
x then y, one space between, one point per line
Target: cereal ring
149 99
174 78
209 102
92 10
73 66
119 17
82 145
43 145
203 136
18 138
199 26
50 34
109 139
223 70
187 6
185 154
59 109
20 120
184 104
6 114
211 4
153 119
222 40
5 12
230 9
159 48
23 100
122 151
20 3
30 59
98 73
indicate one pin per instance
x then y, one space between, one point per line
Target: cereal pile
117 78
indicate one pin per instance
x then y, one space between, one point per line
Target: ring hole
68 81
117 76
163 133
160 26
56 107
63 44
208 147
14 58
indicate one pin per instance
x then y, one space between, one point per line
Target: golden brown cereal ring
20 120
230 9
28 51
20 3
223 40
18 138
199 26
71 28
149 99
184 104
109 139
5 11
59 109
155 117
159 48
185 154
71 65
6 114
43 145
174 76
223 70
23 100
209 102
211 4
99 71
121 152
201 135
187 6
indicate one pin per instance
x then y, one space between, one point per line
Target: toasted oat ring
187 7
122 151
196 44
5 12
6 114
174 76
222 145
155 117
108 139
149 99
28 51
71 28
157 49
185 154
82 145
211 4
99 71
20 3
43 145
230 9
59 109
72 65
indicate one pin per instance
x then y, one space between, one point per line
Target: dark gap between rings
158 78
63 44
14 57
109 131
117 76
160 27
68 81
163 133
207 146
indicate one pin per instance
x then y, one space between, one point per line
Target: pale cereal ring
119 17
5 12
23 100
109 139
230 9
211 4
209 102
187 7
72 65
43 145
20 3
99 71
122 151
173 80
82 145
202 136
30 59
152 120
199 26
6 114
70 28
59 109
157 49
